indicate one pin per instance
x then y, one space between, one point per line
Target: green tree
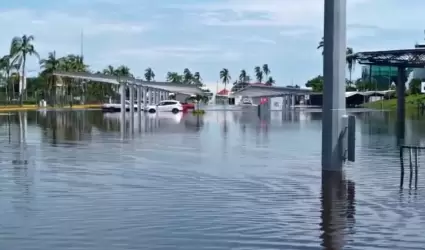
187 76
415 86
266 70
243 76
258 74
225 77
270 81
321 44
174 77
21 48
351 62
316 83
6 68
149 75
197 79
48 66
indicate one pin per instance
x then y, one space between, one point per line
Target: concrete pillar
334 62
145 98
139 99
131 107
123 90
293 101
139 108
401 103
154 97
286 101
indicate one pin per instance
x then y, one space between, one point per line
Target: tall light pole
334 60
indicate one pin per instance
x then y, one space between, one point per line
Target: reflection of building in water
165 122
338 209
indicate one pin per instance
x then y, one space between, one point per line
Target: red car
188 106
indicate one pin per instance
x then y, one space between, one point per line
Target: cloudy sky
206 35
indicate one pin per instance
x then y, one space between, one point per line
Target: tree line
45 85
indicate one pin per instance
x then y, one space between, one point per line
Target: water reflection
170 188
338 209
81 125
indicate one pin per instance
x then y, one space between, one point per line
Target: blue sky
206 35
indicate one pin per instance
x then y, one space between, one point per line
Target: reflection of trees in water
65 126
194 123
338 209
98 120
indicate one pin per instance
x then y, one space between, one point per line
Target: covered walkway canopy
402 59
369 93
410 58
270 91
107 79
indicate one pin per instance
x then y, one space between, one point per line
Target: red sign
263 100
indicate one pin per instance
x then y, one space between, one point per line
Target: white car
166 106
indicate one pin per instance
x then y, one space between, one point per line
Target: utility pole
334 59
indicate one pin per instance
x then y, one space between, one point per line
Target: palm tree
123 71
243 76
350 62
187 76
174 77
20 49
321 44
258 74
48 66
197 78
225 77
149 75
270 81
110 70
7 66
266 70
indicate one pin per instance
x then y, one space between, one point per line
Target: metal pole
123 90
334 60
401 90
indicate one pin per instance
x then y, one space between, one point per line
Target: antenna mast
82 45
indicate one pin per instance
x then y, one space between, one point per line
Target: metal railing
413 156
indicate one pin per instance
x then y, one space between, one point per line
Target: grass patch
391 104
198 112
11 108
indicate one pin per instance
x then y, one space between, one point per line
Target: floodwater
228 180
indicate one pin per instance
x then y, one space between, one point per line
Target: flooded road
227 180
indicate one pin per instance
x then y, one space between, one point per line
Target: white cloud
249 39
188 54
61 31
273 12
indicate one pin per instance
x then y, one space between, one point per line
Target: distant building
381 76
419 73
384 76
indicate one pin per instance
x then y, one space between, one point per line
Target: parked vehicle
116 107
166 106
188 106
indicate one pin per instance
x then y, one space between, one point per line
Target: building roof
413 58
269 91
107 79
223 92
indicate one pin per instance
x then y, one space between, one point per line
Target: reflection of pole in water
21 149
334 209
